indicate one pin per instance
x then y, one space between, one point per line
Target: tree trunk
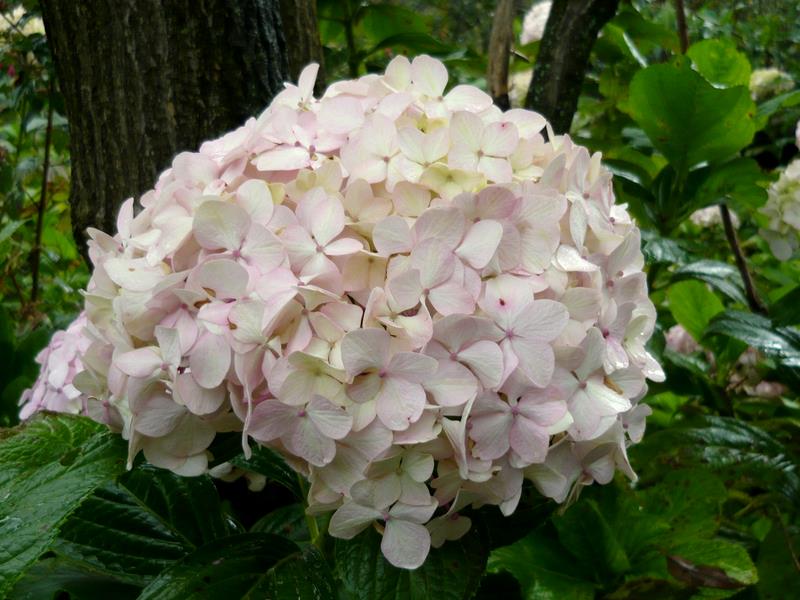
145 79
301 31
570 33
500 52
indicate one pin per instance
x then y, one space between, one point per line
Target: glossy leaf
720 62
719 275
755 330
693 305
47 468
451 572
53 577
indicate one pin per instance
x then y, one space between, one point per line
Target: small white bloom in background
782 211
766 83
409 294
534 22
679 340
711 216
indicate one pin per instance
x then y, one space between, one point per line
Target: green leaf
686 118
287 521
302 575
720 62
272 466
585 532
777 573
451 572
157 518
234 567
786 311
53 577
693 306
544 570
736 183
713 563
782 343
47 468
719 275
768 108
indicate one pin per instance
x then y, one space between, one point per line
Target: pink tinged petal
306 80
284 158
496 169
405 545
451 298
499 139
569 259
220 225
255 198
529 441
452 384
466 130
490 432
467 97
429 76
392 236
195 168
341 114
541 319
169 344
594 353
480 243
271 419
364 388
143 362
582 303
447 225
405 289
329 419
322 215
365 349
222 279
157 415
263 249
400 403
306 442
434 261
198 400
343 247
350 519
537 248
536 359
133 274
210 360
485 359
411 366
608 402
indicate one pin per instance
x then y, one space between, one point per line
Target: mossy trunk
145 79
570 33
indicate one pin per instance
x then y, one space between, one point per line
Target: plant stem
352 57
36 252
311 521
741 263
683 32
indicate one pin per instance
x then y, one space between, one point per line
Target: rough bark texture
145 79
570 33
500 52
301 31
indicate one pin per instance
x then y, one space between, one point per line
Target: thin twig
683 32
36 252
741 263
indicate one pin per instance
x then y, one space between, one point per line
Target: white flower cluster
782 211
414 297
534 22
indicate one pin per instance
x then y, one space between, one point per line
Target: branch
683 32
753 301
569 36
500 53
36 252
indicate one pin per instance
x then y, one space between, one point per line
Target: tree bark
145 79
570 33
500 52
301 31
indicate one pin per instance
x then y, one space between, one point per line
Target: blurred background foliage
715 511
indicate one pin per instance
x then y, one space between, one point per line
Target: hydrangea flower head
419 300
782 212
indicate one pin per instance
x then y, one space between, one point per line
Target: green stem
352 53
311 521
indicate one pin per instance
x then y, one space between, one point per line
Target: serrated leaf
232 567
303 575
157 518
287 521
687 119
786 311
777 571
713 563
542 568
693 306
451 572
271 465
719 275
51 578
47 468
